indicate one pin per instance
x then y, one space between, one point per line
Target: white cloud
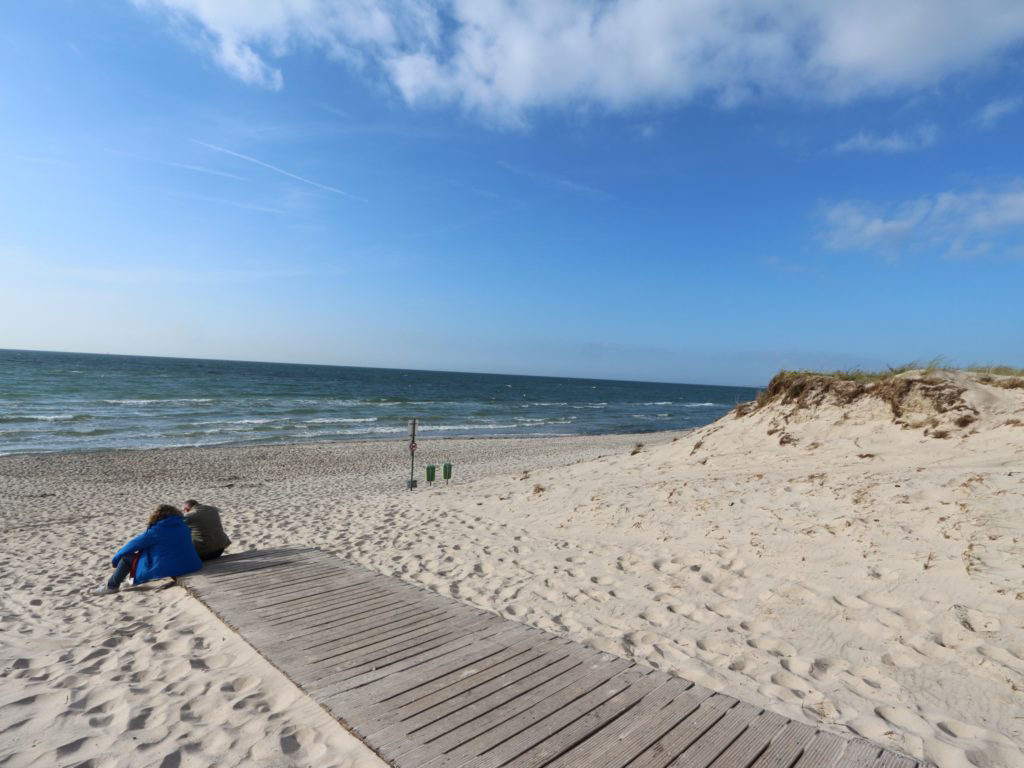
995 111
958 224
503 58
921 137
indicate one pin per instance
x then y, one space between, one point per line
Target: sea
56 401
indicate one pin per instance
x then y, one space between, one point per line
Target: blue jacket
166 550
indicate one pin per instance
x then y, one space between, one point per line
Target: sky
688 191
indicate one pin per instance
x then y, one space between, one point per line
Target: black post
412 454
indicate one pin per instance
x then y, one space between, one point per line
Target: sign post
412 454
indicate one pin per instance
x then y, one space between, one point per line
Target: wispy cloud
552 181
957 224
914 140
204 169
989 115
282 171
224 201
336 111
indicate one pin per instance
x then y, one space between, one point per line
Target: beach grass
806 386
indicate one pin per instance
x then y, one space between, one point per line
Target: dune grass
804 386
996 370
859 374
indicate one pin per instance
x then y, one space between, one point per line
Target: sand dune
850 559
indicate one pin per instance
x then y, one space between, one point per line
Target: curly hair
164 510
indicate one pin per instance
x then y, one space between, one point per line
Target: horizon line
377 368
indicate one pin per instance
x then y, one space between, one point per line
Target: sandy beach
849 560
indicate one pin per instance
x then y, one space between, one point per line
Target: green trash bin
446 471
431 473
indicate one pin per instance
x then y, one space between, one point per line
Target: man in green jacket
207 533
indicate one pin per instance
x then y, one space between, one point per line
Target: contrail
282 171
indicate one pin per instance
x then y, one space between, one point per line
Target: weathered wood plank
472 728
861 753
786 748
753 741
634 732
428 681
392 691
410 713
308 602
487 711
596 687
687 731
401 661
718 737
823 751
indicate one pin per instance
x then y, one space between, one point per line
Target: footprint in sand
667 566
773 645
900 660
905 719
656 617
800 687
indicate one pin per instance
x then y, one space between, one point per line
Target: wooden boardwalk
428 682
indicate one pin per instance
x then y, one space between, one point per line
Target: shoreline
355 441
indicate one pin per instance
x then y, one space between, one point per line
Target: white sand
862 575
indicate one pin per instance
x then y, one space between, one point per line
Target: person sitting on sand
207 532
164 550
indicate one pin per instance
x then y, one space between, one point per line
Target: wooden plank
861 753
686 732
718 737
390 692
448 732
428 681
787 747
579 721
467 728
894 760
297 604
362 621
591 690
823 751
396 661
335 605
275 583
355 663
753 742
339 583
634 732
358 655
233 578
335 647
396 719
354 618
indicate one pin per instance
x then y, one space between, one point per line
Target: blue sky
695 192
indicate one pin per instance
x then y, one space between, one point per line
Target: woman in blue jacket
164 550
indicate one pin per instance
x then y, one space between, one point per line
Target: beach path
425 680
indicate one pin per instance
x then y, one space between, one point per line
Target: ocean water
53 401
